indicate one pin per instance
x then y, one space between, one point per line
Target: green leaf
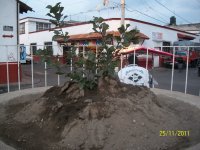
121 29
57 32
127 26
65 17
48 14
49 6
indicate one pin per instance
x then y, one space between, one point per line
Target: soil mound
115 116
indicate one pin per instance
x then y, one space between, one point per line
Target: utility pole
105 2
122 12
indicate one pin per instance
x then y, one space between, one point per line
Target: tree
97 65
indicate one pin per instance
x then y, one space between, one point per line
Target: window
166 49
42 26
7 28
33 46
22 28
48 46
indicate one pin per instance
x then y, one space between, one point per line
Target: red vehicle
181 53
194 52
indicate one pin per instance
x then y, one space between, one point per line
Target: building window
48 46
33 46
166 49
42 26
22 28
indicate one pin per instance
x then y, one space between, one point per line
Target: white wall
31 26
147 29
168 35
8 17
38 37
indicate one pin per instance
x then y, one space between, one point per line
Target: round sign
135 75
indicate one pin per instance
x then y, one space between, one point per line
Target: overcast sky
185 11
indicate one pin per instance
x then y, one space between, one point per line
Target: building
9 37
192 28
151 35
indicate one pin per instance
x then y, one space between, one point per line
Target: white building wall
167 35
39 37
31 26
147 29
197 39
8 17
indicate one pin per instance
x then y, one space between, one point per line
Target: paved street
161 75
38 76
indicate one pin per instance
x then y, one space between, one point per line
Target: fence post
83 63
186 76
18 67
32 66
121 61
96 57
134 57
7 69
71 61
58 74
172 77
45 74
147 58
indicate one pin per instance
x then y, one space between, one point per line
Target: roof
23 7
140 35
142 48
188 27
185 37
144 22
93 35
130 19
34 18
68 22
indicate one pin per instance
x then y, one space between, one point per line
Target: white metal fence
11 53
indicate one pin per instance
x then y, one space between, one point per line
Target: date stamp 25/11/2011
180 133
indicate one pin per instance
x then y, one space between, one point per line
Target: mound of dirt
115 116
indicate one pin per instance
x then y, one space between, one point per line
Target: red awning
185 37
141 48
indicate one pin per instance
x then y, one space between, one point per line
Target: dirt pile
115 116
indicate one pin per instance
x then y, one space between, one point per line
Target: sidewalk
3 146
187 98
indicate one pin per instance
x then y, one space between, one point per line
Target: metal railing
7 58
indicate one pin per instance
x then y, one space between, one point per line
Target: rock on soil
112 117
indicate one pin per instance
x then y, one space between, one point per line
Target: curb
187 98
11 95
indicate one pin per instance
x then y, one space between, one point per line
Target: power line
172 11
118 4
88 11
145 15
150 6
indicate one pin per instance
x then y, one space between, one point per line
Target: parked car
28 59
